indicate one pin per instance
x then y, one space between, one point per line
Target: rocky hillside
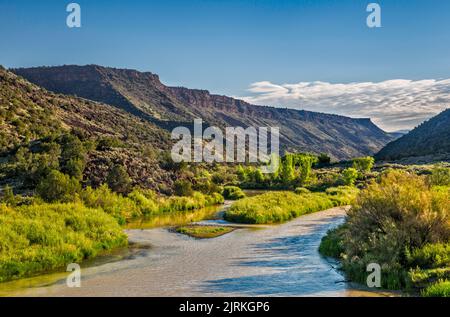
29 113
142 94
431 138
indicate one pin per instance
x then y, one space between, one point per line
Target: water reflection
176 219
296 268
15 287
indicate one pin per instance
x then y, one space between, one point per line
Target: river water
277 260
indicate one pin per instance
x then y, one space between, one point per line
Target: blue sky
226 46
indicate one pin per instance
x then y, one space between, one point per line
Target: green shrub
75 168
232 192
183 188
196 201
397 212
8 196
430 256
440 176
349 176
363 164
58 187
401 223
324 159
420 278
107 143
119 180
342 195
44 237
145 200
73 156
332 243
301 190
114 204
438 289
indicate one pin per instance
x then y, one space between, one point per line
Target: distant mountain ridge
430 138
142 94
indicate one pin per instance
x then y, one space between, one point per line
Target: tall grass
275 207
142 202
438 289
43 237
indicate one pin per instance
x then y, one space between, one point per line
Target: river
276 260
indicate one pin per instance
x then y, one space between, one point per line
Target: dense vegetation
275 207
38 128
402 222
43 237
72 171
232 192
74 223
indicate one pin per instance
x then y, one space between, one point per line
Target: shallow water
177 219
279 260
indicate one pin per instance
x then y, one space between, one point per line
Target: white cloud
393 104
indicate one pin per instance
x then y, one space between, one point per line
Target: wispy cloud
393 104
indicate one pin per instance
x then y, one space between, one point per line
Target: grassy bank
204 232
401 222
275 207
37 237
45 237
145 203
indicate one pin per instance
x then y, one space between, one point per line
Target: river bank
279 260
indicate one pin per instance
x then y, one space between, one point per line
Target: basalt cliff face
142 94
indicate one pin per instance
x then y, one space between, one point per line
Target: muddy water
279 260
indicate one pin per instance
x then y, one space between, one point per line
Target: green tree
305 163
287 170
73 156
39 168
323 159
258 176
119 180
58 187
183 188
241 173
75 168
349 176
166 162
363 164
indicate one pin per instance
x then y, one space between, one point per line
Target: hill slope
430 138
142 94
29 113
